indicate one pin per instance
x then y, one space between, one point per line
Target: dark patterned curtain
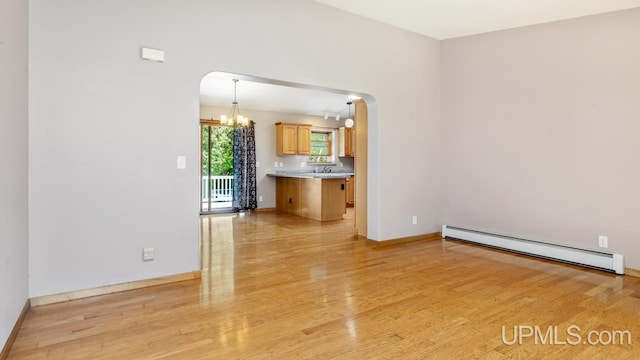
244 168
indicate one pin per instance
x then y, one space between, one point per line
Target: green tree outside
217 144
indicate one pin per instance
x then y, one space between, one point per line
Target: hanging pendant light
349 122
234 119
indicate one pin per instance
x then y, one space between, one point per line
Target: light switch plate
182 162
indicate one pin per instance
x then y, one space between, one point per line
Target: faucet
326 169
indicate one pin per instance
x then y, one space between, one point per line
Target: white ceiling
216 89
444 19
440 19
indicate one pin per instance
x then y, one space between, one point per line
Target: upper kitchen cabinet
293 139
346 142
304 139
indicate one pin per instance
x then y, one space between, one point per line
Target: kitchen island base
314 198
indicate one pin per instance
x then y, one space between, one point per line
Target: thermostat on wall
152 54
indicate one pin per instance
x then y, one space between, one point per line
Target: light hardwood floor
277 286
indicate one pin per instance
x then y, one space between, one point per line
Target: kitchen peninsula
318 196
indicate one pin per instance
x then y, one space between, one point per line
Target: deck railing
217 191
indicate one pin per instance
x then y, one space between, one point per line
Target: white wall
542 133
106 126
13 157
266 146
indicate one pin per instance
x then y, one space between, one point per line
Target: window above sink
323 146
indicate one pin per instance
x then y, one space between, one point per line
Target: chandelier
234 119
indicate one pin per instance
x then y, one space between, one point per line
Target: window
321 146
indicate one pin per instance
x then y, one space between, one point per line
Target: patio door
216 169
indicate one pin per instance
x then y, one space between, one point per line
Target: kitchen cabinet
346 142
350 191
318 199
350 142
288 195
293 139
304 140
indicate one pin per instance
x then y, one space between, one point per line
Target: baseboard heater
589 258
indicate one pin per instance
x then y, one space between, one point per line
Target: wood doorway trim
361 120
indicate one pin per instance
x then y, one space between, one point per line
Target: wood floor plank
276 286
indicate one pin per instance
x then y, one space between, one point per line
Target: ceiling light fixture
234 119
349 122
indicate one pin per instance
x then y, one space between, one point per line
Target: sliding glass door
216 175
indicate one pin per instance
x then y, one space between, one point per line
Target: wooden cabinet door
350 191
293 139
288 195
282 197
286 139
290 135
304 140
333 206
349 143
346 142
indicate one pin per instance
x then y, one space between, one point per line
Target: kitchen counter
311 175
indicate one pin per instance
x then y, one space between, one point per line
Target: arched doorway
362 134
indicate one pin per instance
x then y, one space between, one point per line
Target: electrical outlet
280 163
260 198
275 164
603 241
415 220
148 253
303 164
257 164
